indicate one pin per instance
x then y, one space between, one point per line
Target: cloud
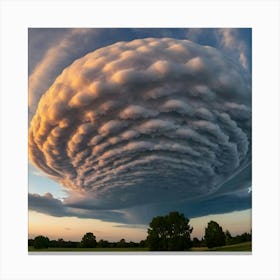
140 215
51 50
56 57
231 42
234 42
148 121
49 205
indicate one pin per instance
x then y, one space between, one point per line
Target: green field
241 247
246 246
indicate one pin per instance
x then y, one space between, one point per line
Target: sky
128 124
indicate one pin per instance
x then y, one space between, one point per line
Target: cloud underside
151 121
143 214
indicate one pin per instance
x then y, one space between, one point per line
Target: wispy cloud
230 40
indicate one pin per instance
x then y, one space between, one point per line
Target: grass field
246 246
241 247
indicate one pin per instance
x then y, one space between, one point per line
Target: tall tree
228 237
169 233
122 243
88 240
41 242
214 235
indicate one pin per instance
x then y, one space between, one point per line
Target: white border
262 16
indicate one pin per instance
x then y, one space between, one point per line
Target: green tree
30 242
214 235
41 242
122 243
103 244
169 233
228 237
60 243
88 240
195 242
142 243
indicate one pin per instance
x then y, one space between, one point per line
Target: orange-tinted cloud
147 121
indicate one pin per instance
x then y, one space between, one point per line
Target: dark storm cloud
142 215
49 205
144 122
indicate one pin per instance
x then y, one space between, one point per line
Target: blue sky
52 50
40 184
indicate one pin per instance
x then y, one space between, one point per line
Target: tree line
42 242
165 233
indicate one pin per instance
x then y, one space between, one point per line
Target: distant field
246 246
241 247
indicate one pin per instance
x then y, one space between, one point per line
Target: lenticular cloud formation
144 121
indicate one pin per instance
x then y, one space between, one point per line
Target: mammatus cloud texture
58 55
47 58
141 122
